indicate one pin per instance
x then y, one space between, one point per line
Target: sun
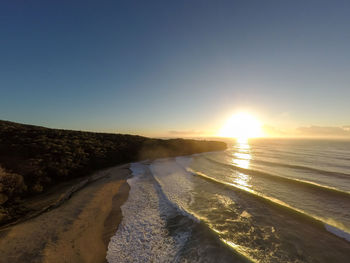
241 126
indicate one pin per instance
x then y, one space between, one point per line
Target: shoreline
78 229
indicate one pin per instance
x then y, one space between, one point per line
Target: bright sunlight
242 126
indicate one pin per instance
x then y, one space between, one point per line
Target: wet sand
78 230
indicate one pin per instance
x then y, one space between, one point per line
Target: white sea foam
338 232
142 235
175 183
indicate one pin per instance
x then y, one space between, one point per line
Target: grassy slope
33 158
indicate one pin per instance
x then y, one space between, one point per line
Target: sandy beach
78 230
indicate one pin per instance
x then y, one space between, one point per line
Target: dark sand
78 230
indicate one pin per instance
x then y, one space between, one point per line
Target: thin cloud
325 131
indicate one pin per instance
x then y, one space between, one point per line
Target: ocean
265 200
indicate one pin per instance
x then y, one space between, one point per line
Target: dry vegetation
33 158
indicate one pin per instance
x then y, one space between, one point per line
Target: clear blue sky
174 67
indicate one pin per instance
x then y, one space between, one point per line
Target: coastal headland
61 190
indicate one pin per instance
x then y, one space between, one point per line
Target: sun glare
241 126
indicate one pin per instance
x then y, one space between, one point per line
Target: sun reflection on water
240 162
242 154
241 158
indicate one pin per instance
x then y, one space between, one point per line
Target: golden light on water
241 126
241 162
241 158
242 180
242 155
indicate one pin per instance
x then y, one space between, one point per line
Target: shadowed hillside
33 158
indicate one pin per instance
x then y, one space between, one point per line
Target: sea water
265 200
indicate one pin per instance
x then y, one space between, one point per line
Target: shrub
11 184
